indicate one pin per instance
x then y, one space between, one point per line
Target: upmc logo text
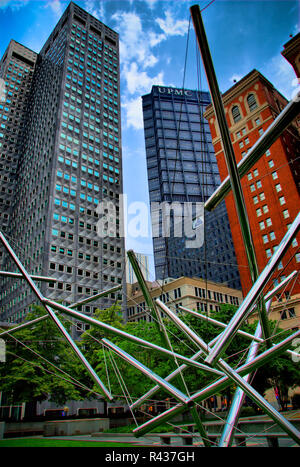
176 92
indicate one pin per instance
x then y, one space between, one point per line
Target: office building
182 170
271 187
190 292
68 161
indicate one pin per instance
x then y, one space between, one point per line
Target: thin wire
122 382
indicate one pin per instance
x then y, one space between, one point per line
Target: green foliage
25 376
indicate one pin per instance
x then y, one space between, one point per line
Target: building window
265 238
262 225
286 213
274 175
236 114
271 163
255 199
272 236
252 104
278 187
282 200
258 212
269 221
265 208
268 253
262 196
255 172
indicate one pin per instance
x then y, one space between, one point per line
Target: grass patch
130 428
53 443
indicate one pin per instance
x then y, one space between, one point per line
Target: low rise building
190 292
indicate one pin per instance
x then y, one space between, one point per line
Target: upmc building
182 168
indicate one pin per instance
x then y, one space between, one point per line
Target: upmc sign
176 92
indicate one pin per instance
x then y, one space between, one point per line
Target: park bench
187 439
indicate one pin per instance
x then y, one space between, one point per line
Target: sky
158 47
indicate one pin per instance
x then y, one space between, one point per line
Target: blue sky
242 35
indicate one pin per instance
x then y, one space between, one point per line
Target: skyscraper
182 169
143 261
69 160
271 187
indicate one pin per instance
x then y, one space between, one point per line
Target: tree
27 375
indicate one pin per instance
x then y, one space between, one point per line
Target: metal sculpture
210 352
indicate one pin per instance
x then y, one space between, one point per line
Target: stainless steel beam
282 121
82 317
234 375
54 318
17 275
146 371
223 325
253 295
96 296
239 395
219 385
230 159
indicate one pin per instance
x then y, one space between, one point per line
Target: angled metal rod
230 159
53 316
17 275
172 375
223 325
74 305
95 297
282 121
239 395
146 371
219 385
253 295
233 375
24 325
165 341
183 367
87 319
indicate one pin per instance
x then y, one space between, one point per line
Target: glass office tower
69 162
182 168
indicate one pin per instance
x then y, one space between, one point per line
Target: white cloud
281 74
138 81
151 3
134 113
95 8
155 39
13 4
56 6
171 26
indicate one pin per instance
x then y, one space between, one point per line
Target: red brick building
291 52
271 188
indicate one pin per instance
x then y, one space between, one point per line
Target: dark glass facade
69 162
182 168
